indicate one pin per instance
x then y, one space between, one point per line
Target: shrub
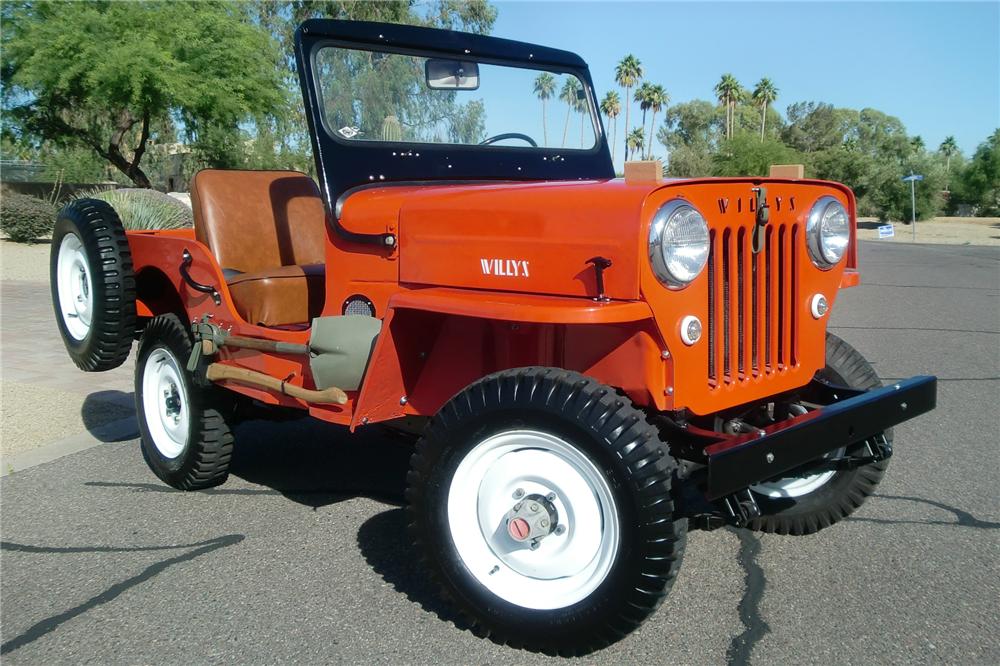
146 209
25 218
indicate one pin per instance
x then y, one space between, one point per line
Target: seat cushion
255 220
279 296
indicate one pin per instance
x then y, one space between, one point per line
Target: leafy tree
628 73
101 75
979 183
746 155
611 106
816 126
764 94
917 144
691 132
545 88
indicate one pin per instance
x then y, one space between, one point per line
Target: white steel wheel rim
567 565
73 281
165 402
796 486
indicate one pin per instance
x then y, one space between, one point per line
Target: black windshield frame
343 165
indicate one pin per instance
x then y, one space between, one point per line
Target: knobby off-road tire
93 286
845 490
520 434
185 428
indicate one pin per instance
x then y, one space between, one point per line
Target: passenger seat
267 230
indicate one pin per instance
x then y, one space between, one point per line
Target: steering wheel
509 135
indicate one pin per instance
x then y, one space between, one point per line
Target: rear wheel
186 436
93 286
541 501
807 503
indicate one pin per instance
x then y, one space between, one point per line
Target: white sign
886 231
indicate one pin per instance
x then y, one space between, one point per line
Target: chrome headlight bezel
666 215
821 254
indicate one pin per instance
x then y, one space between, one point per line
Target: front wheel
807 503
185 432
541 501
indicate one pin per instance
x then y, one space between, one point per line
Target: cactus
392 130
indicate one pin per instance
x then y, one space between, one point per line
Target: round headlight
678 243
828 232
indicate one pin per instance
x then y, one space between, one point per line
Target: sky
934 65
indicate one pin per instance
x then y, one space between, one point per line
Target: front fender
437 341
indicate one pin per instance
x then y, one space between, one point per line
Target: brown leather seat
267 230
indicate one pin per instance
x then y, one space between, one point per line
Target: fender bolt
770 458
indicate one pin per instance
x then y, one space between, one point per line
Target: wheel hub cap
164 402
76 301
555 543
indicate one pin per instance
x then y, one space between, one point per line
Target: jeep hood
527 237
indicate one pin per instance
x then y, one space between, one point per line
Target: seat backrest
255 220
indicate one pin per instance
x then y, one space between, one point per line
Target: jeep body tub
503 288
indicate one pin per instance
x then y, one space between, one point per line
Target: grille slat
752 320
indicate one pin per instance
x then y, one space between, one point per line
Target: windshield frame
343 165
331 132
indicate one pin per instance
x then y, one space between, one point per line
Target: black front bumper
743 460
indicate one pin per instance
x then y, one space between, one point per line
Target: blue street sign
912 177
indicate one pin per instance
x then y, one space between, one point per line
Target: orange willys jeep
585 363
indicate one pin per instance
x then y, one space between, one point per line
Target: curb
115 431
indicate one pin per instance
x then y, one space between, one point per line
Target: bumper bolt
770 458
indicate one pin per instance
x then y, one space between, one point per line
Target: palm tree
917 143
627 74
658 98
634 141
728 91
545 88
611 106
949 148
763 95
644 95
569 94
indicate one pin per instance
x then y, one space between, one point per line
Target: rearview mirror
451 74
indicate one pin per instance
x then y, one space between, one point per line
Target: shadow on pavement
385 545
109 416
315 463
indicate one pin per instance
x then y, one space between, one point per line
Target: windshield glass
374 96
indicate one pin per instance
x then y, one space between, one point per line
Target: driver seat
267 230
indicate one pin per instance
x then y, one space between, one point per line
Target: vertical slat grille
752 320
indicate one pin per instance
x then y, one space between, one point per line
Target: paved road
302 557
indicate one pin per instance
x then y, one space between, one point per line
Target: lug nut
544 522
517 507
533 506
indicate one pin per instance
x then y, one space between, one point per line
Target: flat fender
422 325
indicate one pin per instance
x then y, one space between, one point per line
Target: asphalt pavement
302 555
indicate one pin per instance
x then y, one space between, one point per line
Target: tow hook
741 507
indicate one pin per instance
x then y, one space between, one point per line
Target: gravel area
24 426
940 230
24 262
